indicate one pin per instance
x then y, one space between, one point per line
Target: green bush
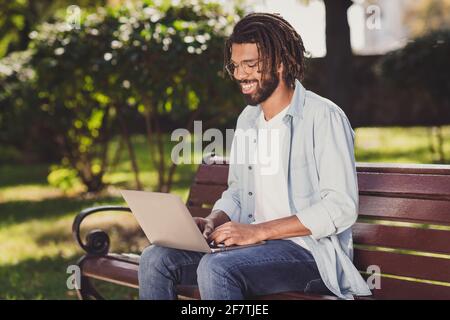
154 59
62 178
422 64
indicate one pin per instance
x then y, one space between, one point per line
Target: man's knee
219 278
212 267
155 258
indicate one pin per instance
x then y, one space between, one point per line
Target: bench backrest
403 230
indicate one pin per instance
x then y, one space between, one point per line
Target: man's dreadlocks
277 41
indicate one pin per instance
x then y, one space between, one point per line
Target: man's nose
239 73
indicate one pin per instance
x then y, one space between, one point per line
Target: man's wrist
263 231
218 217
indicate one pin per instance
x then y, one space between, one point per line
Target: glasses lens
230 68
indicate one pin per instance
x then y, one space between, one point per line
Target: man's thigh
277 266
180 265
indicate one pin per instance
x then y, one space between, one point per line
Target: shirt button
250 215
249 167
250 193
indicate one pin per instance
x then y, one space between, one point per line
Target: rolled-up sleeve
334 153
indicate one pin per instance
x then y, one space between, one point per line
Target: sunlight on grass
401 145
29 192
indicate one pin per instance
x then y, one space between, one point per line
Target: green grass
36 244
397 144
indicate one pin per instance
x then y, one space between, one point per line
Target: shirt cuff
317 220
229 207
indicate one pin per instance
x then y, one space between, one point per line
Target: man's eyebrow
246 60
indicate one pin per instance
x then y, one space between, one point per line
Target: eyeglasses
247 66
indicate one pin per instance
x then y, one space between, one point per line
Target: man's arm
283 228
334 153
233 233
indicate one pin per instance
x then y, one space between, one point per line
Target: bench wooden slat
428 240
199 211
404 264
124 273
112 270
392 184
408 168
431 186
398 289
405 209
205 194
212 174
295 296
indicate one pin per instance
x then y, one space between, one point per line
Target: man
302 202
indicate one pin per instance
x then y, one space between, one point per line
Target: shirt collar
295 108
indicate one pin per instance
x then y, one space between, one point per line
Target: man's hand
213 220
233 233
206 225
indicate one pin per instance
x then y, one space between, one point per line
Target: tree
338 60
427 15
161 61
339 53
19 17
422 67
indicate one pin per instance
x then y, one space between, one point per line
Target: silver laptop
167 222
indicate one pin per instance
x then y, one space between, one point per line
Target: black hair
277 42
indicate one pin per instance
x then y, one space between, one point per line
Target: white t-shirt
271 188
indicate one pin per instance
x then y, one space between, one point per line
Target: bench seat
403 228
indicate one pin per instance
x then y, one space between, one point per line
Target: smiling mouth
248 87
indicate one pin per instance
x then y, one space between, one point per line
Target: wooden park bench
403 228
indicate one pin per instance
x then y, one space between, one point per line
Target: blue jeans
277 266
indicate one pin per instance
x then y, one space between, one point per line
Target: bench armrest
97 240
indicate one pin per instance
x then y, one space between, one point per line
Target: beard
264 89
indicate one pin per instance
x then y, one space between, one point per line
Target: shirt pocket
301 179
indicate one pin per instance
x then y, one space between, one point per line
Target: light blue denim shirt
318 159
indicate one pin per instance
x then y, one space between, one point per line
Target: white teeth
248 86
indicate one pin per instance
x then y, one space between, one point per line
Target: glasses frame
247 66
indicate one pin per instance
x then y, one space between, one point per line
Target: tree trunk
130 148
173 167
161 160
339 54
117 155
440 144
150 131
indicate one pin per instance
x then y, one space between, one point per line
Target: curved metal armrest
97 241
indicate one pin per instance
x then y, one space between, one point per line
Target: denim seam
174 267
309 284
227 275
260 262
271 260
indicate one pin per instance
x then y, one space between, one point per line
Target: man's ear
280 68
